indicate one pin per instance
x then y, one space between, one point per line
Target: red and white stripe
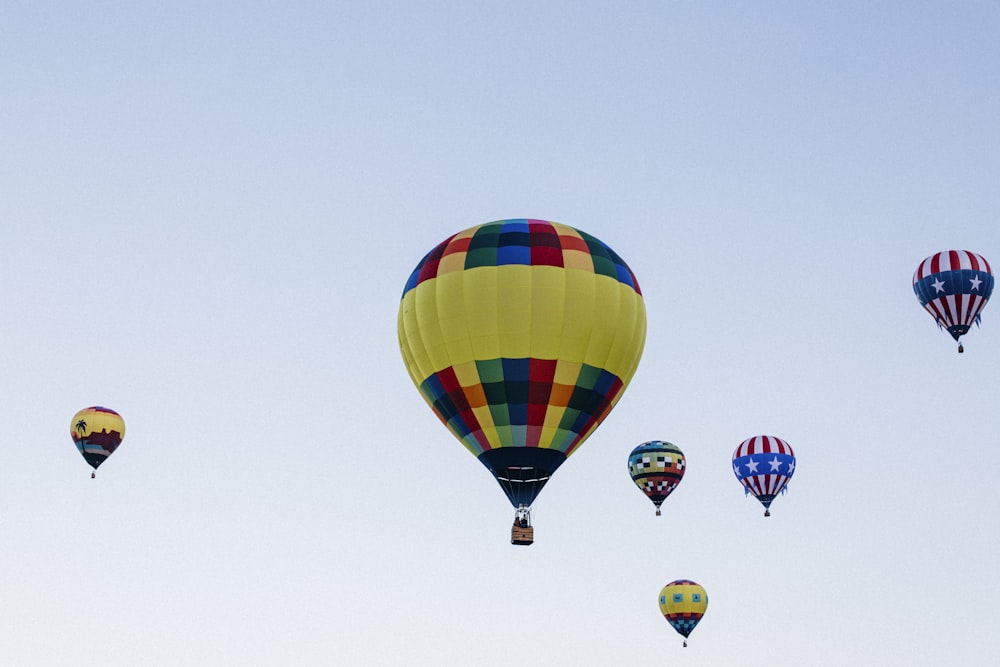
760 485
763 444
951 260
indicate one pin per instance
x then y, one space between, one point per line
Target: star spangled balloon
954 286
657 467
763 464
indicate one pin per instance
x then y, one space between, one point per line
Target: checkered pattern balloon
657 467
521 335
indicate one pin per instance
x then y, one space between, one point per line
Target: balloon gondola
522 531
521 335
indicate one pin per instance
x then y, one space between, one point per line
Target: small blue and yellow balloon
97 432
683 603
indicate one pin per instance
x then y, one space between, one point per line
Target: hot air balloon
657 467
521 335
683 603
954 286
97 433
764 464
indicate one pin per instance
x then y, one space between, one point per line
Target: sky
208 212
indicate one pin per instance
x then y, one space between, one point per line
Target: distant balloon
657 467
97 433
954 286
763 464
683 603
521 335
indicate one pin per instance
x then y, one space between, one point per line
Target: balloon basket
522 535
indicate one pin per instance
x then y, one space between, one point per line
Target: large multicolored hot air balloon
683 603
521 335
97 433
954 286
764 464
657 467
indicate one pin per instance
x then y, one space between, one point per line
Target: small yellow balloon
683 603
97 432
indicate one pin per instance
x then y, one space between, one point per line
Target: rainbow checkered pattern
525 242
657 467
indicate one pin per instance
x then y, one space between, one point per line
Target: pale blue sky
208 214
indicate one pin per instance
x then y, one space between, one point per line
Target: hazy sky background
208 212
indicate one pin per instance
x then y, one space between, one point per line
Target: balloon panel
97 432
522 471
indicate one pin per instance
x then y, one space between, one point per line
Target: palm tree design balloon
97 432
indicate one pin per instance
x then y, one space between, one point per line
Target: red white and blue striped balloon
763 464
954 286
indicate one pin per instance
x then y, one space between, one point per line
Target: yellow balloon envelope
521 335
